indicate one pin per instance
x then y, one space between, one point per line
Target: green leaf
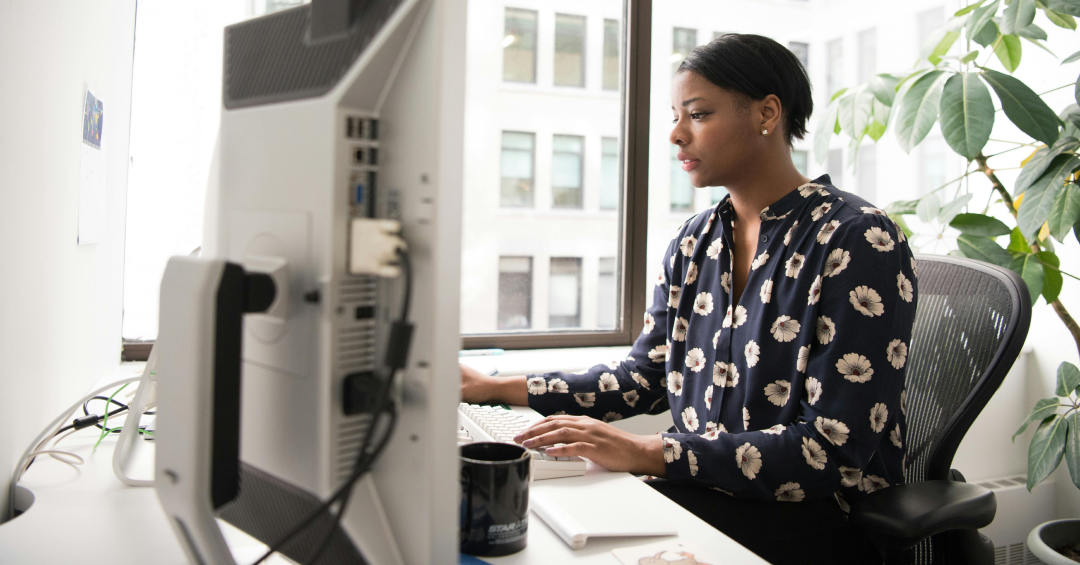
943 46
1046 450
1039 198
1041 160
967 114
1033 32
1030 269
987 35
1061 20
838 94
983 249
970 56
1035 41
979 225
1072 447
876 130
1071 58
901 207
950 210
1008 51
846 115
980 18
863 109
1043 409
1018 243
1068 378
823 132
1018 15
884 88
1025 108
1065 212
1071 7
903 226
928 208
920 109
1051 275
969 8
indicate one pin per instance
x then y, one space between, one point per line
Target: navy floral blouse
796 392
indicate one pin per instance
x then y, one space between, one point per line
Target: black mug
494 498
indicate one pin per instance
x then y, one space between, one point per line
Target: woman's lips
689 164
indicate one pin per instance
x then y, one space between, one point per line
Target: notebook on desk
575 516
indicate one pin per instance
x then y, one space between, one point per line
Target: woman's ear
771 111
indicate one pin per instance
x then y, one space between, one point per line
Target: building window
802 52
801 160
867 173
519 46
569 50
515 293
564 293
611 55
517 169
566 170
716 194
867 40
834 166
932 164
683 42
834 66
682 192
606 293
609 173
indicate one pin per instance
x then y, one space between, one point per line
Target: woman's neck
773 182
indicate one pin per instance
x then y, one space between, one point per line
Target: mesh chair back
971 321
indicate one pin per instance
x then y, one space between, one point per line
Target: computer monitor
334 111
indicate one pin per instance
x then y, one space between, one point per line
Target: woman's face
714 129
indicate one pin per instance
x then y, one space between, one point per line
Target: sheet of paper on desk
673 552
575 516
92 171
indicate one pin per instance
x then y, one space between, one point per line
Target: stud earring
764 132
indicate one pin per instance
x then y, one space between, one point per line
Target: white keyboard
500 424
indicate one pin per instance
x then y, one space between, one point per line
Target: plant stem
1058 88
1059 308
1009 141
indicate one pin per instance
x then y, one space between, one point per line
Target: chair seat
901 516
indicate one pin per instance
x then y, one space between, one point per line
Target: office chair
971 321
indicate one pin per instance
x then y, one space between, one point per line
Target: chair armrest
903 515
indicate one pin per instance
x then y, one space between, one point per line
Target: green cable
105 421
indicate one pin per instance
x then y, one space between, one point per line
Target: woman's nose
678 134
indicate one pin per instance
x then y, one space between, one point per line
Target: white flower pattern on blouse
816 322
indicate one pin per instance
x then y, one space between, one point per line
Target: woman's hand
476 387
602 443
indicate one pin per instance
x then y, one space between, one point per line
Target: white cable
48 432
130 430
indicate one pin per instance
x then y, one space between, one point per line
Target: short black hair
756 66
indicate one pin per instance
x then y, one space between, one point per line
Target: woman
777 335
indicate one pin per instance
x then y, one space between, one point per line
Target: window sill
533 361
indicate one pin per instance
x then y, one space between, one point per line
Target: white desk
88 516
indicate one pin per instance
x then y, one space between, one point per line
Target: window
682 43
866 171
801 161
606 294
564 293
566 171
611 55
519 46
515 293
569 50
609 173
802 51
517 169
682 192
867 40
834 166
834 70
933 163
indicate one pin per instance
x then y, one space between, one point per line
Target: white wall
60 303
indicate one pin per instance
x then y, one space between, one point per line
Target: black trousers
782 533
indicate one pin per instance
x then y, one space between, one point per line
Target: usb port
360 155
373 129
357 190
349 125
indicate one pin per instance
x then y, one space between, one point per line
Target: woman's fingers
549 424
565 434
579 449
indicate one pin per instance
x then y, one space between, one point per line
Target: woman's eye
697 115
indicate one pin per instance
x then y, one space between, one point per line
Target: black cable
363 459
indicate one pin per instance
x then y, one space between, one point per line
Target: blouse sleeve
622 388
852 392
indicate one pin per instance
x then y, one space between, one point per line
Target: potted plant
951 86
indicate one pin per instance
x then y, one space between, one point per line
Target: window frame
630 269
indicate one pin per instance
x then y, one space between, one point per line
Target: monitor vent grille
351 433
